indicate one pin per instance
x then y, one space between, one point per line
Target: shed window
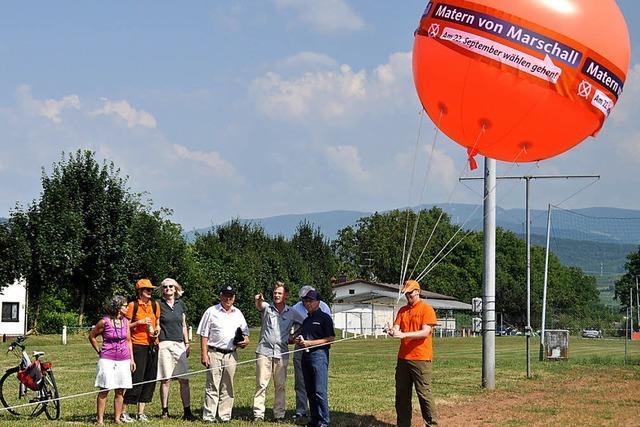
352 291
10 312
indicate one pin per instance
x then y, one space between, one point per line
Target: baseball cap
312 295
144 284
304 290
410 285
228 289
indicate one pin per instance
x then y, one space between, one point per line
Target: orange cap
410 285
144 283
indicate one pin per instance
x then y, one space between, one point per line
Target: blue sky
258 108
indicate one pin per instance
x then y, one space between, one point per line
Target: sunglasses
167 286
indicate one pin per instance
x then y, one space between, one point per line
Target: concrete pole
527 331
489 279
544 288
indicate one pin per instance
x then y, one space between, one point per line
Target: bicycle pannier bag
31 376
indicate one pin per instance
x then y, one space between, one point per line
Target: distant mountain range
600 224
595 239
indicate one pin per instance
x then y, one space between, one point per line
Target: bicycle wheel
13 394
50 391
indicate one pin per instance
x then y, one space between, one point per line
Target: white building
13 306
364 307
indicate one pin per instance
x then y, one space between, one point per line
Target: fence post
190 333
64 335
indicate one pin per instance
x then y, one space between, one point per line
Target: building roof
388 292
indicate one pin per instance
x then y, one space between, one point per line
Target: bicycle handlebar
17 343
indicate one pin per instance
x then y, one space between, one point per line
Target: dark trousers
409 374
146 359
315 369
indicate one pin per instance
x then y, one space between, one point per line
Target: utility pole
489 277
637 300
528 179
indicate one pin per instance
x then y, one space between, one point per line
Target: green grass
361 379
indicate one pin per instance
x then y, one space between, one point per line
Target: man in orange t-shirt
413 325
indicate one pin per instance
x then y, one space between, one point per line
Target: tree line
88 237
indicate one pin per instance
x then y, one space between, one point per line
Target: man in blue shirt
317 334
302 403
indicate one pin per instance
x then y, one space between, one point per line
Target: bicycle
42 393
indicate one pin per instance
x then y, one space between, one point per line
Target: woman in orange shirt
143 315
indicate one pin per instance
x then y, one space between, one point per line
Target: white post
544 287
190 333
64 335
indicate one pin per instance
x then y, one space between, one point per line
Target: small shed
13 306
364 307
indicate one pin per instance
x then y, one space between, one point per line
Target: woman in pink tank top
116 362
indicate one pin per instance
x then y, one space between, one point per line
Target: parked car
591 333
502 331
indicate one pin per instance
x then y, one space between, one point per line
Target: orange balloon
520 80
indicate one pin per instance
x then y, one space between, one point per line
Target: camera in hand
239 337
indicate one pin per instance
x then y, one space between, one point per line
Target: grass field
594 387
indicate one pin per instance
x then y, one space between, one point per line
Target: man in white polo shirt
222 329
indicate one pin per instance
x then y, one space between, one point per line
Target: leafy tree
317 256
77 232
86 238
628 280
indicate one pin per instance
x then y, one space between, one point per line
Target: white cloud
49 108
443 173
326 16
309 59
337 92
125 111
346 159
211 160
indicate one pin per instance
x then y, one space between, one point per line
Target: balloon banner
499 67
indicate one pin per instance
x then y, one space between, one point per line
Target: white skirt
172 359
113 374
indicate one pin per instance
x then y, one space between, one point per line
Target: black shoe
188 416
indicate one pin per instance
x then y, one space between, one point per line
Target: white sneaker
143 418
125 418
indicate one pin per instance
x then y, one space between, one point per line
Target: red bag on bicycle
31 376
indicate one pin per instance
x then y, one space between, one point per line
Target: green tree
628 279
77 232
86 238
317 258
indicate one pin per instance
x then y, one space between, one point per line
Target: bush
54 314
51 322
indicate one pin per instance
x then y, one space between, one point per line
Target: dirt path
580 397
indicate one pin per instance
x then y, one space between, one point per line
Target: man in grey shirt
302 404
272 351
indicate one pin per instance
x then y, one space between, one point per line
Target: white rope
93 392
413 170
405 262
451 193
431 264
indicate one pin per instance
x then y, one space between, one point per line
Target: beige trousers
265 368
218 389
